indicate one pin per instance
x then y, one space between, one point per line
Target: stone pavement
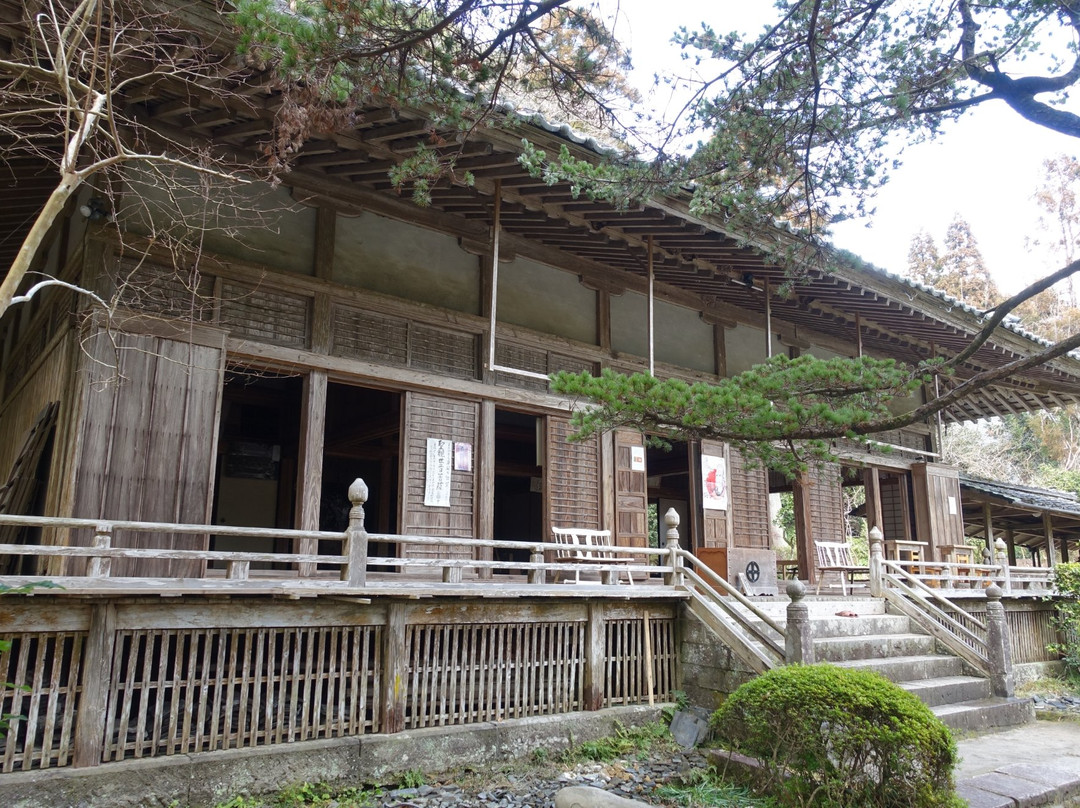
1037 764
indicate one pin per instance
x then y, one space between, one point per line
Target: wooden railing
349 566
919 589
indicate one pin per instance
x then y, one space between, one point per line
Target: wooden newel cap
358 492
671 518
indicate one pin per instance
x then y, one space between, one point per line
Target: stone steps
859 632
893 647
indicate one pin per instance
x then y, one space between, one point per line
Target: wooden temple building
331 330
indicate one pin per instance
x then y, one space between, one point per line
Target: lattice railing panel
629 678
462 674
39 684
182 691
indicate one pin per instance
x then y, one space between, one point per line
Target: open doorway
519 481
362 439
670 486
257 455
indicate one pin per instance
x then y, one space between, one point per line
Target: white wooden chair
835 556
597 541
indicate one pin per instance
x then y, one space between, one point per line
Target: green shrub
1067 621
830 736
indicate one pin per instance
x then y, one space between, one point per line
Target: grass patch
626 742
705 788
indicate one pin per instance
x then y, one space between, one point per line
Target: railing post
595 642
91 716
998 650
101 567
537 575
1002 560
877 552
395 667
671 535
355 547
799 634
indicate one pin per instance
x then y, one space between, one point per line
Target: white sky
984 167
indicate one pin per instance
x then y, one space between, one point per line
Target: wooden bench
597 541
835 556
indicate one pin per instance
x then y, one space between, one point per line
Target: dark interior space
670 486
257 456
519 475
363 437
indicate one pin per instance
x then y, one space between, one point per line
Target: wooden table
787 569
905 550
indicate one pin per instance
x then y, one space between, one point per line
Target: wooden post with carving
671 522
355 547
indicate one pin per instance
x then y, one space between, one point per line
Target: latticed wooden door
451 420
631 490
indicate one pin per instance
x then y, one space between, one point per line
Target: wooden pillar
487 300
309 490
603 320
1010 545
325 233
594 656
1063 548
652 310
720 350
485 470
96 675
395 666
988 527
872 487
768 322
804 528
1048 533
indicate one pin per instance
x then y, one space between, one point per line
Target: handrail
913 598
716 582
920 586
733 626
353 555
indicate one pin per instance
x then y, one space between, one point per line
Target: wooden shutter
819 504
938 515
749 503
631 493
149 439
573 477
714 523
428 416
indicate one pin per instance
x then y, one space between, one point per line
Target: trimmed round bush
831 736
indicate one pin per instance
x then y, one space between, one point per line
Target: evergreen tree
924 260
963 271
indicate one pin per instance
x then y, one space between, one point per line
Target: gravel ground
534 786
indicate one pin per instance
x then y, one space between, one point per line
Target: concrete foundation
207 779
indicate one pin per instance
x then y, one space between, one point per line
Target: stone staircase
890 645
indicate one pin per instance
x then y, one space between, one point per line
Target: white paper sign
440 461
952 506
714 483
637 458
462 457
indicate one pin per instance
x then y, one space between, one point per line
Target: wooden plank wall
428 416
177 677
749 504
826 503
149 431
935 486
894 510
573 477
631 493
